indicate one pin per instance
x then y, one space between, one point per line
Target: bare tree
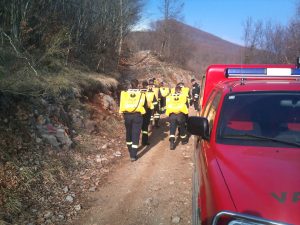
272 43
253 35
91 31
171 10
293 34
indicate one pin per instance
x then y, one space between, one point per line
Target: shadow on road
158 134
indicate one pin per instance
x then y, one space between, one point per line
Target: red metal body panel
213 189
255 180
263 181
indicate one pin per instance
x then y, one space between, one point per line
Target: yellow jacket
176 103
185 91
164 91
132 100
156 92
150 98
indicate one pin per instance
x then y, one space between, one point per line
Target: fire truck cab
247 146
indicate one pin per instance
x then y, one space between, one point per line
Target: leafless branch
18 53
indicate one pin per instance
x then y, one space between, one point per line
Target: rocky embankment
50 149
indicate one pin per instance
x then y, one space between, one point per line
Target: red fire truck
247 146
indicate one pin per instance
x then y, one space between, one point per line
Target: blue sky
225 18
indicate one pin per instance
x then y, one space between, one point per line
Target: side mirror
198 126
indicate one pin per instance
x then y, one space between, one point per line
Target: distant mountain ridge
200 35
205 48
210 49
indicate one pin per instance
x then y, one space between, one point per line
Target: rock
98 159
38 140
91 126
175 219
48 214
49 221
149 201
5 120
51 139
76 92
102 170
69 198
92 189
117 154
82 173
62 137
34 210
66 189
77 207
50 128
108 103
104 146
171 182
77 121
61 216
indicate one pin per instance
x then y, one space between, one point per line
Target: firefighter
156 115
155 82
164 91
184 90
132 106
177 110
195 95
151 102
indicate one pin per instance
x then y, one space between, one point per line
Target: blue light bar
252 71
295 71
261 72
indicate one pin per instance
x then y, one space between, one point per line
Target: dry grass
51 77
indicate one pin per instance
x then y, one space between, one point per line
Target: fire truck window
213 110
208 103
272 115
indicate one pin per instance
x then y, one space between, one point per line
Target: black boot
184 141
145 140
172 143
132 153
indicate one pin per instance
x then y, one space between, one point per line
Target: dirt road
154 190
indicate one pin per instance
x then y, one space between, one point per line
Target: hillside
205 48
210 49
